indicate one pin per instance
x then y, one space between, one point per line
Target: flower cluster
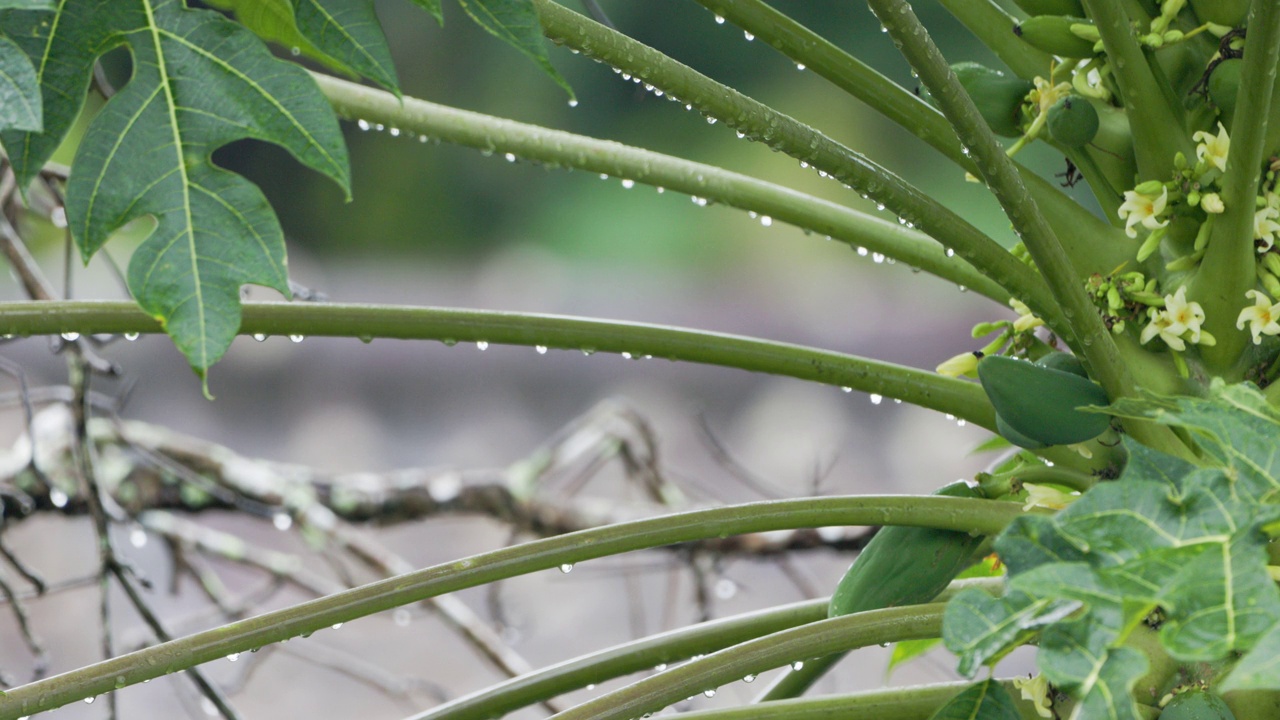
1018 334
1122 298
1178 323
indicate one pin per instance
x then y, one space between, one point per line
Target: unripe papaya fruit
1072 121
1016 437
1052 34
1196 705
1040 402
998 96
1072 8
1065 362
1221 12
1224 85
906 565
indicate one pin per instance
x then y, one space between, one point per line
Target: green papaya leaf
26 4
1260 669
19 90
432 7
200 81
348 31
986 700
1169 535
274 21
516 23
343 34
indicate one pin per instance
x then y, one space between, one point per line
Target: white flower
1265 227
1188 315
1162 325
962 364
1211 149
1142 208
1178 318
1262 316
1212 203
1036 690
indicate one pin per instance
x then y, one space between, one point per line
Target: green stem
639 655
559 148
963 399
786 134
944 513
991 24
756 656
1157 129
1229 267
1088 335
901 703
1093 244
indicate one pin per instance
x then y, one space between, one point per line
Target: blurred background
439 225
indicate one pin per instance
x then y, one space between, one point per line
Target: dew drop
131 336
58 498
542 349
336 626
951 252
604 176
449 342
877 258
800 67
71 336
590 686
726 588
482 345
379 127
363 124
566 568
259 337
876 398
719 20
628 183
295 51
862 251
748 36
233 657
660 667
573 103
962 288
661 189
282 521
709 693
89 700
741 135
588 351
765 220
511 157
847 389
395 132
797 665
626 355
297 338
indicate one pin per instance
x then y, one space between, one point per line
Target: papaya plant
1126 533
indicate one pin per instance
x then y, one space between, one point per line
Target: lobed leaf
1186 540
199 82
19 91
986 700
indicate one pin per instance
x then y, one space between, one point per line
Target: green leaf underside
432 7
1167 535
516 23
986 700
348 31
19 90
199 82
274 21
